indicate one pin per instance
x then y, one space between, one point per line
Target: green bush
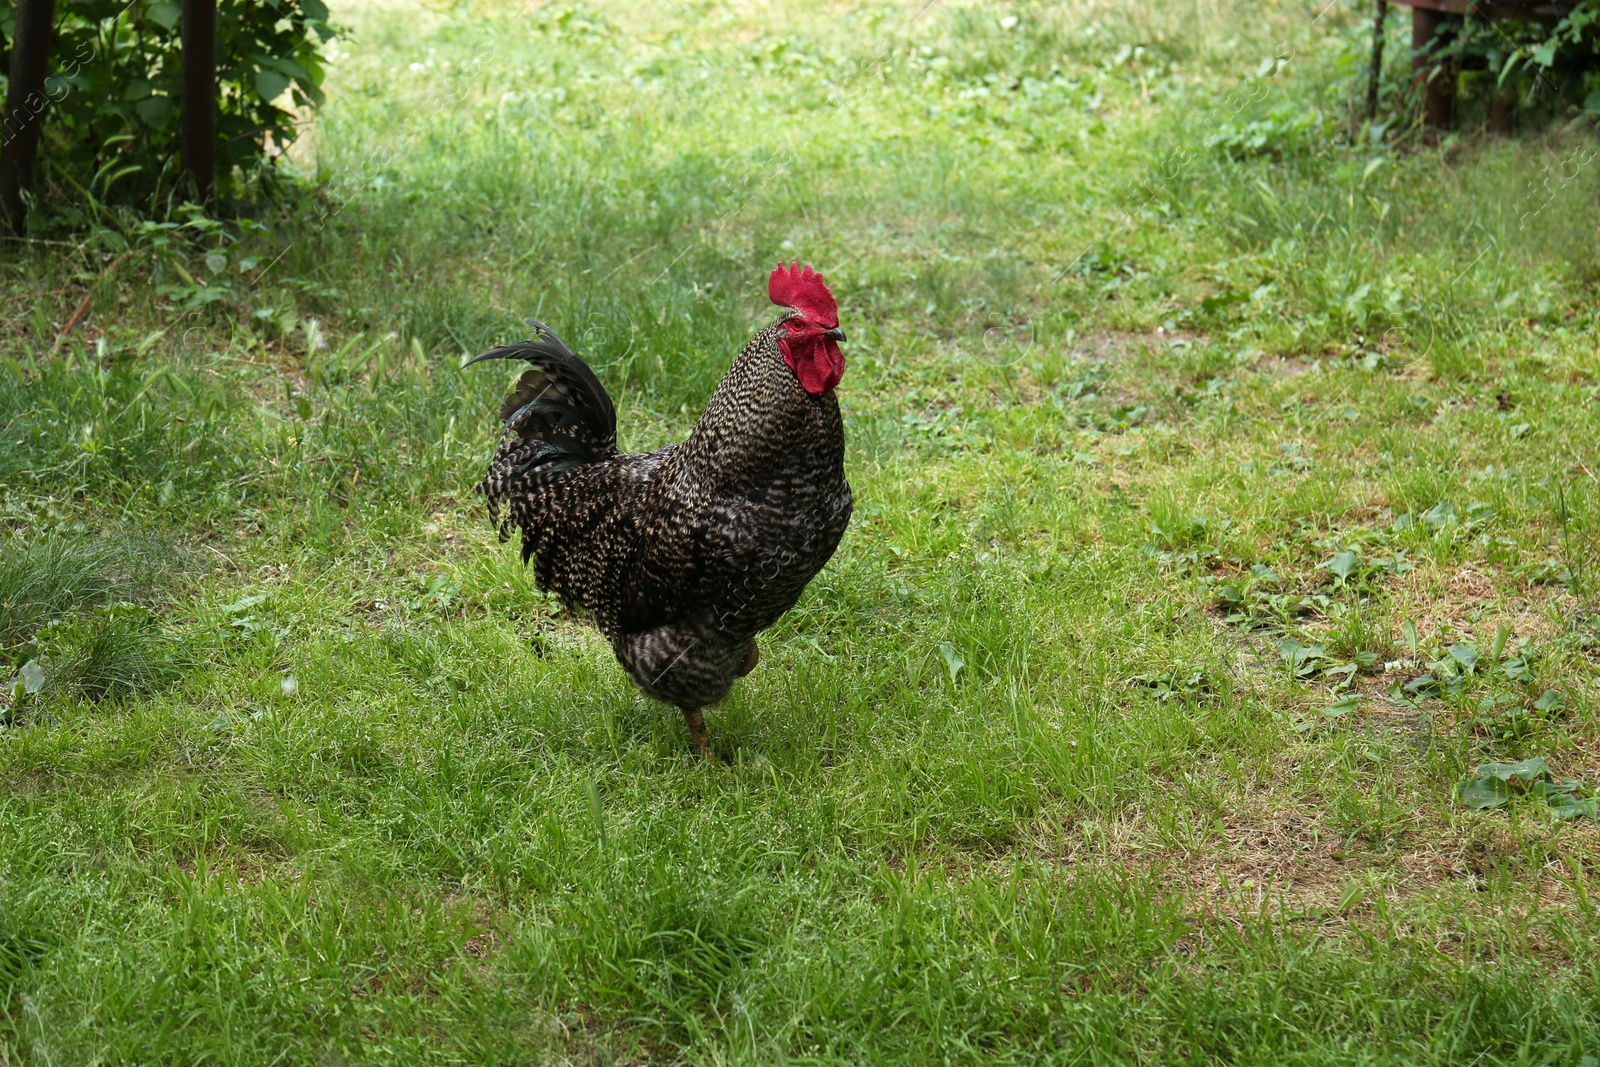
111 127
1551 71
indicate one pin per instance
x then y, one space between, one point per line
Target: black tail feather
557 417
558 397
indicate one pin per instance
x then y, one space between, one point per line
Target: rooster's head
810 343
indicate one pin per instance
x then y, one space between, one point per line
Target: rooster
682 555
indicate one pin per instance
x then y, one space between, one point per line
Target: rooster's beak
835 333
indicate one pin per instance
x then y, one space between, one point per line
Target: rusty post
1433 74
1379 16
197 103
25 103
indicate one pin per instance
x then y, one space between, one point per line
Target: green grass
1181 408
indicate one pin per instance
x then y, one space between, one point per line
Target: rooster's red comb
804 291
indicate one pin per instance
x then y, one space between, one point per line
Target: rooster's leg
697 731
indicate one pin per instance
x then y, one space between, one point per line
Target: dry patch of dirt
1267 853
1473 600
1286 366
1116 347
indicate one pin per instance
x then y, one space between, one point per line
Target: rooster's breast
776 538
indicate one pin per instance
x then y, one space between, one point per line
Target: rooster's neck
761 422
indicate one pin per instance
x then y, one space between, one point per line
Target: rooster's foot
697 733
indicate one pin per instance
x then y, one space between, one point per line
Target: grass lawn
1226 496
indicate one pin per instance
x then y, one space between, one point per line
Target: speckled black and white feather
684 554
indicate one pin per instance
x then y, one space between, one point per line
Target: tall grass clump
109 653
54 577
68 611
